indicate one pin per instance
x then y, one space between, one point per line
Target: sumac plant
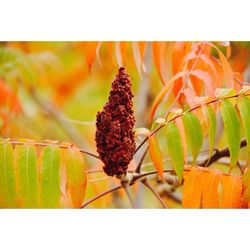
175 132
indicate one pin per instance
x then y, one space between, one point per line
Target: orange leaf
206 78
190 97
110 51
155 154
232 191
207 60
98 53
162 53
228 72
9 99
162 93
137 57
192 190
157 51
76 176
91 53
210 196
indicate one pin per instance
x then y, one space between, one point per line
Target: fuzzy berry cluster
115 139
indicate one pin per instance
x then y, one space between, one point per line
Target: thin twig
219 154
138 168
145 182
43 144
101 195
241 170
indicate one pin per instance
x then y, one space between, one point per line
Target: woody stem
101 195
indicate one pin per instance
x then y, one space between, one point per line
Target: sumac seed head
115 138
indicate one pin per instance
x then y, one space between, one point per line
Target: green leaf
7 176
50 177
76 176
27 174
244 107
211 123
175 148
193 132
232 129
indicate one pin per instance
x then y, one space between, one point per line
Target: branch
138 168
219 154
42 144
180 115
101 195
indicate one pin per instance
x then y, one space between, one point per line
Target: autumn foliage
176 119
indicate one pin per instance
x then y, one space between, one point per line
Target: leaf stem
138 168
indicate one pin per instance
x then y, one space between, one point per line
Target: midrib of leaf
231 123
27 173
50 164
245 125
175 152
210 189
51 173
190 122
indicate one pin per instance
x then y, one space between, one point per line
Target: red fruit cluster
115 139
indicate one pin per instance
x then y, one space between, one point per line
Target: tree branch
101 195
219 154
180 115
138 168
43 144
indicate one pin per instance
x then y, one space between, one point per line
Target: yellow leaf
163 53
162 93
76 177
231 191
192 190
210 195
156 155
